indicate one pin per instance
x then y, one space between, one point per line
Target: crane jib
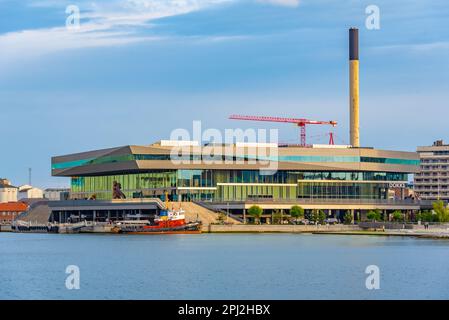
299 122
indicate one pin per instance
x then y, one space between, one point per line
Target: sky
135 70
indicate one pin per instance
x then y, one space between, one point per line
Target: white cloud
105 24
430 47
285 3
42 41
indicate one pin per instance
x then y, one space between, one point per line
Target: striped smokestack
354 87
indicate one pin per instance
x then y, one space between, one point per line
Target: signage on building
396 185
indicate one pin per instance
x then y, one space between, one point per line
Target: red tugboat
167 222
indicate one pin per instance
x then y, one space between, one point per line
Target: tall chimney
354 87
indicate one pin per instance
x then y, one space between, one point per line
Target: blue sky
137 69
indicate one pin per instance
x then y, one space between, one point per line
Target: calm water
229 266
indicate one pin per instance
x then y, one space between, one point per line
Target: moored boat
167 222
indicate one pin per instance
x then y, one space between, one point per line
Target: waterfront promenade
275 228
437 232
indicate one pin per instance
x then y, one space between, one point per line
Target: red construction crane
301 123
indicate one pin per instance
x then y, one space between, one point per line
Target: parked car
332 221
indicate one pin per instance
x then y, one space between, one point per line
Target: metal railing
385 225
83 202
401 225
324 201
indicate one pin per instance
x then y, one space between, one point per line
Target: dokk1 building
325 177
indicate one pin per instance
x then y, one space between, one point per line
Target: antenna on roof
29 176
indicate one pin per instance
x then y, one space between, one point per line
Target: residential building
10 210
432 180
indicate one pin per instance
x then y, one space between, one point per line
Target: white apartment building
432 180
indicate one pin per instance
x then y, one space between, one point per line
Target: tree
398 216
426 216
321 217
297 212
371 215
374 215
318 216
314 216
441 211
347 219
277 217
256 212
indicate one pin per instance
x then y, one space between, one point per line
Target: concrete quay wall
5 228
288 228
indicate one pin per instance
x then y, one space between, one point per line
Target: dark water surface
221 266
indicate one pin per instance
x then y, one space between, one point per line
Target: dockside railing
325 201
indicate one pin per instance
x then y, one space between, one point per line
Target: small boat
167 222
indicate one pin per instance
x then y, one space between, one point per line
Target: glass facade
101 186
239 185
338 190
248 192
193 157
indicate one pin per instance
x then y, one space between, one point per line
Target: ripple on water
221 266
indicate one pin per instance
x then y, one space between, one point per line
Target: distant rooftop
439 143
27 187
437 146
7 186
13 207
56 189
240 144
5 183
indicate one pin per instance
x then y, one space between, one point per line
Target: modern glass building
237 174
